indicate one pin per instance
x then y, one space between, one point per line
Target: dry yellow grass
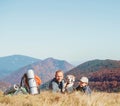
56 99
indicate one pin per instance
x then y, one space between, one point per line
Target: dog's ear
73 78
70 76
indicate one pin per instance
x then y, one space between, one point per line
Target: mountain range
45 69
12 63
104 75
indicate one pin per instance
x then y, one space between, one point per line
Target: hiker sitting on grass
83 86
57 84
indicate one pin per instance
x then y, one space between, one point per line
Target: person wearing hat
83 86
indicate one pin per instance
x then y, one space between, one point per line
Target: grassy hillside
50 99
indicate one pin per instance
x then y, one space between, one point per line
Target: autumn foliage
104 75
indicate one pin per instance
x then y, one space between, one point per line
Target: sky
71 30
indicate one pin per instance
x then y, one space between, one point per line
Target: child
83 86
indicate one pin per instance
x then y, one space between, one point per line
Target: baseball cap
84 79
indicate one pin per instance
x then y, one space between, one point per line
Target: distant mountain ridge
45 69
104 75
12 63
95 65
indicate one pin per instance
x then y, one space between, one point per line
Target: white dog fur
69 82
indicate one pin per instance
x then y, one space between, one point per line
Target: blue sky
72 30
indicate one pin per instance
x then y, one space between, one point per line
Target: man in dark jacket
57 84
83 86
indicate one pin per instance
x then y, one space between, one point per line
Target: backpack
24 81
38 80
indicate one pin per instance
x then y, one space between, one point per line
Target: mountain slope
12 63
104 75
95 65
45 69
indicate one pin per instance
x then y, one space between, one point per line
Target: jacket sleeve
88 90
54 87
77 88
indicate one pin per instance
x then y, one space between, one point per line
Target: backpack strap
24 80
21 82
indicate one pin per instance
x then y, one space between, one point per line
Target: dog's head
69 82
70 79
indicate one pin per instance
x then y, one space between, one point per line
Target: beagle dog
69 82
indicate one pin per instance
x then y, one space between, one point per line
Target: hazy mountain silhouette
104 75
12 63
45 69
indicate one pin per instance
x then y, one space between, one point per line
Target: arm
88 90
54 87
78 88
